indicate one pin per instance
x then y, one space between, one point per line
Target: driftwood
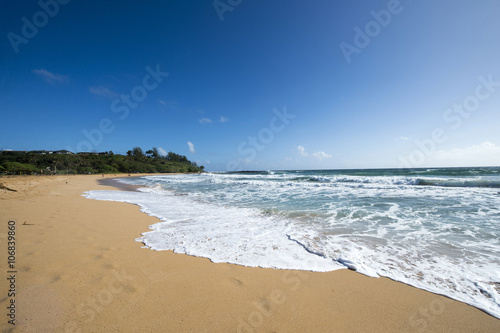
3 187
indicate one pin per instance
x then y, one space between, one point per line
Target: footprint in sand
56 278
237 283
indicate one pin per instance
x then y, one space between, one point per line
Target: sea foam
242 236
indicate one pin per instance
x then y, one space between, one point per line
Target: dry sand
80 270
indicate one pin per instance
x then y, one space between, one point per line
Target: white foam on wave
475 283
242 236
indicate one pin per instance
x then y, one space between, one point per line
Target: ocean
436 229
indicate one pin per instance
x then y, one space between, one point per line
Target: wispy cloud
205 120
191 147
319 155
162 102
403 138
302 151
104 92
484 154
204 162
51 77
223 119
162 151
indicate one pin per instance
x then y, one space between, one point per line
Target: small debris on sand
2 187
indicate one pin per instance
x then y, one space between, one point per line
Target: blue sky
256 85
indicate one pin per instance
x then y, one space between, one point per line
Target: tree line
135 161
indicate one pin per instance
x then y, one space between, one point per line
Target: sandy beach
78 268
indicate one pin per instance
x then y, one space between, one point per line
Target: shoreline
113 182
80 269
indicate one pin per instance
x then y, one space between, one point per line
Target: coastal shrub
16 168
108 169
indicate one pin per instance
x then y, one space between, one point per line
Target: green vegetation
136 161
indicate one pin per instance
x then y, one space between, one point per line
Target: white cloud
191 147
484 154
205 120
162 102
223 119
319 155
51 77
162 151
302 151
403 138
104 92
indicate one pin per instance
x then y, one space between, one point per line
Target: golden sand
78 269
